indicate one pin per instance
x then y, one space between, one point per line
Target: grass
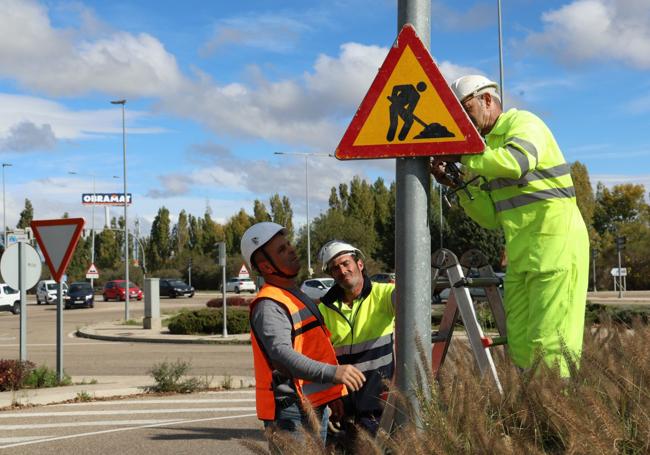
603 409
172 377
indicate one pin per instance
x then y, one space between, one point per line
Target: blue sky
215 88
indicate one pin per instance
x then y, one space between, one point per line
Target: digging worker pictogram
403 101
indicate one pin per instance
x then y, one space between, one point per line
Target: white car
46 291
9 299
240 285
317 287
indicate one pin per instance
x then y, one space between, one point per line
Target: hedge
208 321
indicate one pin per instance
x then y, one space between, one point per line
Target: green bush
13 373
209 321
45 377
230 301
169 377
622 314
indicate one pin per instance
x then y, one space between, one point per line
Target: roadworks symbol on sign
409 110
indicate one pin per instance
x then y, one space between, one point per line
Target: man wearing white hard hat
525 187
360 316
295 363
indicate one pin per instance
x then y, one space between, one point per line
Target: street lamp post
92 246
126 230
4 205
306 155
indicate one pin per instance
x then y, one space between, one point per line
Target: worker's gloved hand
350 376
439 171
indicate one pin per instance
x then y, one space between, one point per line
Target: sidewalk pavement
120 386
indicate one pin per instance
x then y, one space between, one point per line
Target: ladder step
438 338
488 342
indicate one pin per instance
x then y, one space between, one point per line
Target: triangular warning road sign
409 110
57 240
92 269
243 272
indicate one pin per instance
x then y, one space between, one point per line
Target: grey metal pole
4 205
594 269
126 224
22 269
308 233
441 217
620 281
92 243
500 54
223 293
413 249
59 332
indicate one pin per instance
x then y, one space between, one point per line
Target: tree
160 246
107 249
259 212
282 213
584 193
26 216
181 234
622 204
234 229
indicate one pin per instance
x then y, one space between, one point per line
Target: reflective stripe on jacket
526 189
310 338
363 336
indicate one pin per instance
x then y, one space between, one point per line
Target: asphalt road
85 357
202 423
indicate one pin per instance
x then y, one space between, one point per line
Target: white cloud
55 62
595 30
267 32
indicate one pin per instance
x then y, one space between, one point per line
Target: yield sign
409 110
57 240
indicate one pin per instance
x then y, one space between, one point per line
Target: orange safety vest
310 338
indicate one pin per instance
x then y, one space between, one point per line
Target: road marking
118 411
115 430
21 439
96 423
123 402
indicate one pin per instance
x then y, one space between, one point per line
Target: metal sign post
221 246
59 332
413 247
21 268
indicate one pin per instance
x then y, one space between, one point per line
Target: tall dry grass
603 409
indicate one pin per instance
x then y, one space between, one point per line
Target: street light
4 208
92 247
126 230
306 155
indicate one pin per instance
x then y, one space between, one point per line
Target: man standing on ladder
360 316
526 188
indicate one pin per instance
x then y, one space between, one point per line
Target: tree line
362 213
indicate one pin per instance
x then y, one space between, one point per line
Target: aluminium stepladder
450 272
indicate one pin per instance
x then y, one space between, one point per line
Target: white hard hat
256 237
467 86
335 248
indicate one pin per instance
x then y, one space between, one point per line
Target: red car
115 289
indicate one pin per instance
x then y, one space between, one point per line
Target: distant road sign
31 265
57 240
92 272
243 272
409 110
615 271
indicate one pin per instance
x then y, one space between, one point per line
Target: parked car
238 285
383 278
317 287
81 294
116 289
46 291
172 287
9 299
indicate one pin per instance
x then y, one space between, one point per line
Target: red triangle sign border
37 224
473 142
